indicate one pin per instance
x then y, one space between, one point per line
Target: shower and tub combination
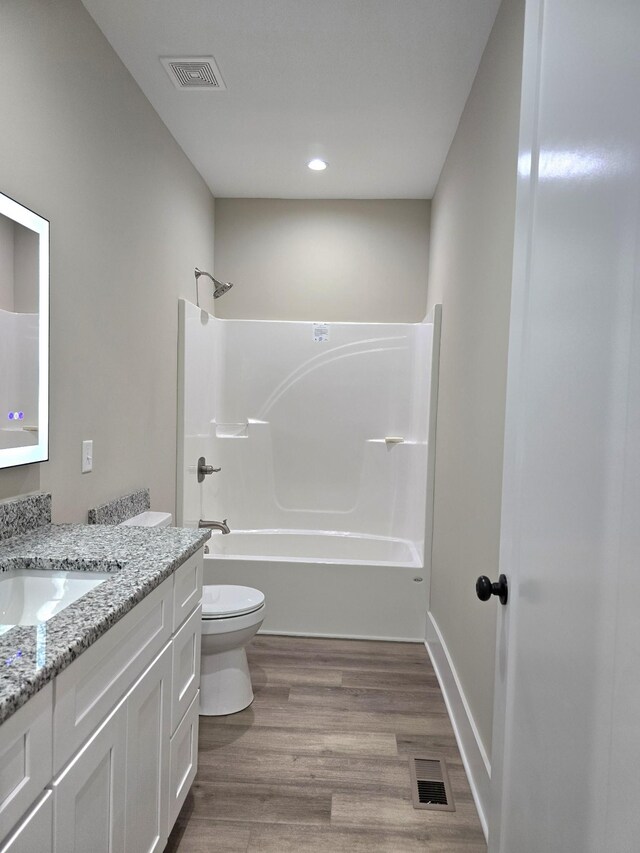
324 437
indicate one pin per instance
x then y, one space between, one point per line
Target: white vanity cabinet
120 732
113 796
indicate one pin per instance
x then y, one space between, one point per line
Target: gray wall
349 260
473 216
130 218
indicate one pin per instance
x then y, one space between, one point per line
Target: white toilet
231 616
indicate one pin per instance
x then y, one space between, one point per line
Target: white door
565 774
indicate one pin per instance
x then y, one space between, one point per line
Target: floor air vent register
430 787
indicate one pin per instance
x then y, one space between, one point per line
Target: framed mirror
24 335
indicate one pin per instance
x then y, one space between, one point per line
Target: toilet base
225 683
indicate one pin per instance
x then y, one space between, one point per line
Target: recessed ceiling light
317 165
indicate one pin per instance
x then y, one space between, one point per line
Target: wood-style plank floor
318 762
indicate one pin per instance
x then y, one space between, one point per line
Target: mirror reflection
24 253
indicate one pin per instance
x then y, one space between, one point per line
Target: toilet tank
149 519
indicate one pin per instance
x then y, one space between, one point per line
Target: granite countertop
137 559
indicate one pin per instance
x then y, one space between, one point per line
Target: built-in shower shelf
394 441
231 430
236 429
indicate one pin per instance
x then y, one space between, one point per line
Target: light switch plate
87 456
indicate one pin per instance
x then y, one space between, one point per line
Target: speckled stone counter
138 560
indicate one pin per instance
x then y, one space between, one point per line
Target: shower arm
197 274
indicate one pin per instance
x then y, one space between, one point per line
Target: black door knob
485 589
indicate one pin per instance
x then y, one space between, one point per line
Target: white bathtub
316 546
325 583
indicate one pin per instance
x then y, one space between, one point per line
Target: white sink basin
31 597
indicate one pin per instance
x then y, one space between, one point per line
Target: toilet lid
226 600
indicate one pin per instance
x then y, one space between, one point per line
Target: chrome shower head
219 287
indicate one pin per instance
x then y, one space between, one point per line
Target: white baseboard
474 756
276 633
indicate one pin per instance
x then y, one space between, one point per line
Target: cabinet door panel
183 759
34 832
25 757
148 732
187 588
186 666
89 795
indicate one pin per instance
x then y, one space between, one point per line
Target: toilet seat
225 601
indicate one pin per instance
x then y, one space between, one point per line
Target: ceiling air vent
196 73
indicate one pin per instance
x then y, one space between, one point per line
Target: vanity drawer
183 759
87 690
25 757
187 588
186 666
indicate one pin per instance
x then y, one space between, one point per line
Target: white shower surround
19 378
329 520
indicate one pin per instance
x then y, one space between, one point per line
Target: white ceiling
375 87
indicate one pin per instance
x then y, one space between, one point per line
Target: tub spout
215 525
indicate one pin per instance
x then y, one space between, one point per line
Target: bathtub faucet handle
204 469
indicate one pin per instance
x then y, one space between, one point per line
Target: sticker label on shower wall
320 332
